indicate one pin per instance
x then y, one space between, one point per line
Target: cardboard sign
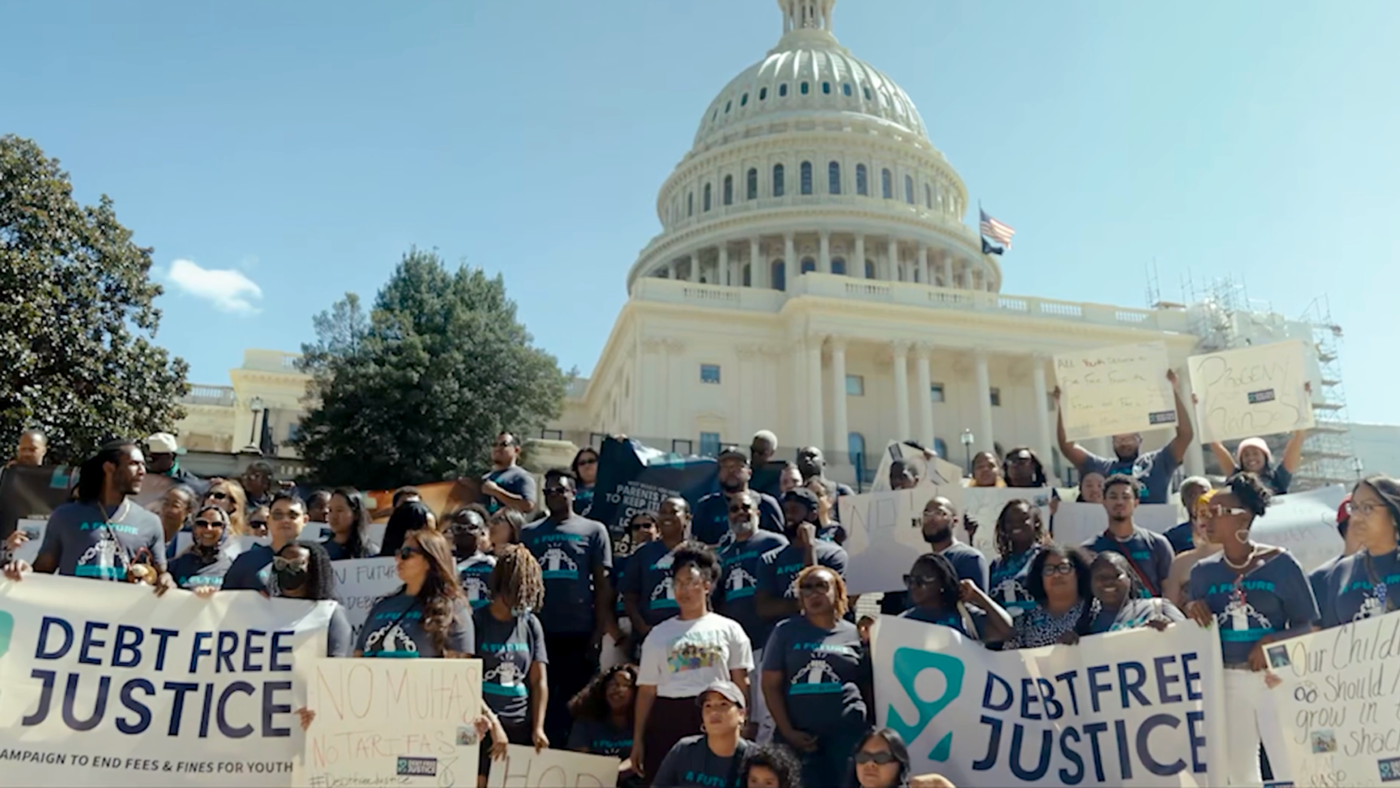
884 535
525 768
1115 391
1252 391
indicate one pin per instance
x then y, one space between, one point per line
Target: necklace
1242 566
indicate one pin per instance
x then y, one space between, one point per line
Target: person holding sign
250 570
1254 455
1123 602
986 471
302 570
1255 595
348 518
1149 554
1153 470
429 615
1061 585
201 568
1367 583
510 645
941 598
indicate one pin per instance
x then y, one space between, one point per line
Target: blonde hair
238 518
838 586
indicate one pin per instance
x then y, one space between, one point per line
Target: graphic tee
1133 613
1149 554
475 574
507 649
681 657
648 576
1153 471
823 671
192 570
568 553
514 480
394 628
599 737
691 764
1010 582
87 541
778 571
739 581
1361 586
1271 598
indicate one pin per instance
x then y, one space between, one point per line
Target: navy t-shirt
1132 614
339 552
568 552
969 563
475 576
951 619
1153 471
1150 554
394 628
1010 582
1268 599
514 480
823 671
739 581
192 571
1361 586
599 737
710 523
249 569
1181 537
1318 580
648 576
88 542
691 764
780 568
507 649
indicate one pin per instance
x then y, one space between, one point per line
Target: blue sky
288 152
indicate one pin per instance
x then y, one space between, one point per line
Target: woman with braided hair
1019 536
510 644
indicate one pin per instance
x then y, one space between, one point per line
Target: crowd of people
724 649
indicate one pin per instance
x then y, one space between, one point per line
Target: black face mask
290 579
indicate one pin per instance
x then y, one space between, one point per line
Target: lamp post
256 405
967 440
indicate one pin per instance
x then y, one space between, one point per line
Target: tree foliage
417 390
77 315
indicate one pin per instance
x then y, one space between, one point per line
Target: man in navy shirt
936 525
507 484
1150 554
711 521
1152 470
810 463
776 598
647 592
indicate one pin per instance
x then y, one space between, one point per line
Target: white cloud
228 290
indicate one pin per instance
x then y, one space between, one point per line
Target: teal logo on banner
908 664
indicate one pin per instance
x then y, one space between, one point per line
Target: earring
1242 535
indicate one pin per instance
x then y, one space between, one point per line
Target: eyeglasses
284 515
919 581
408 551
637 525
815 587
1363 509
1217 510
881 758
1051 570
556 490
280 564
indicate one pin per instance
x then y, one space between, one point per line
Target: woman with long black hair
603 713
1019 534
1060 584
429 615
939 597
881 760
1367 583
412 516
1122 600
348 519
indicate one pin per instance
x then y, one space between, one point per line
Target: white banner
1338 703
884 535
1115 390
1139 707
938 471
392 722
525 768
1076 523
983 506
1251 391
108 684
361 582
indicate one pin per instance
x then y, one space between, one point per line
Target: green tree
418 390
77 315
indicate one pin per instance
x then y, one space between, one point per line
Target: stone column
947 260
858 265
985 441
901 391
824 260
789 253
892 264
814 390
758 271
695 266
924 270
925 384
1042 412
722 272
839 423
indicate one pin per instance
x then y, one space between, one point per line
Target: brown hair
441 593
517 574
238 518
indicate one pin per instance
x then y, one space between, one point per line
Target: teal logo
7 629
908 664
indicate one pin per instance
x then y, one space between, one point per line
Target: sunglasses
556 490
919 581
741 507
1226 511
407 551
814 587
588 461
257 523
881 758
218 496
208 524
1051 570
280 564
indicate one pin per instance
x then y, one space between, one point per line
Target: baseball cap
1342 514
727 689
163 443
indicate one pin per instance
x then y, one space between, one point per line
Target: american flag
995 230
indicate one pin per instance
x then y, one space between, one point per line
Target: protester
882 761
905 473
762 448
1182 536
32 448
303 570
318 507
641 531
1149 554
103 534
939 517
1091 488
938 596
828 528
603 713
507 485
812 464
681 657
510 645
163 457
1020 533
585 469
711 759
1022 468
770 766
229 496
1360 586
403 495
471 546
986 471
647 585
576 557
789 478
428 615
202 566
1061 585
258 520
1255 456
1122 601
409 516
709 524
250 570
742 559
1152 470
175 508
1351 544
1174 588
504 527
257 483
347 517
1253 595
776 595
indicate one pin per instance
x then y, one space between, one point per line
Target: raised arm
1293 452
1073 452
1223 456
1185 432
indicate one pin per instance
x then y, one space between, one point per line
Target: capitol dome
812 160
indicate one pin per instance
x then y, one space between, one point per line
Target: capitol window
806 177
753 183
928 196
909 189
838 265
709 373
728 105
996 400
706 202
826 88
729 190
782 90
935 393
862 181
808 265
804 88
855 385
763 94
690 204
833 178
779 275
887 184
709 444
866 88
744 100
777 180
846 88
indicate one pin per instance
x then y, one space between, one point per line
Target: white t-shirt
681 658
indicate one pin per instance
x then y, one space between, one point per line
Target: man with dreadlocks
510 644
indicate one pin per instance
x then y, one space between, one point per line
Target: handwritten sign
525 768
391 722
1251 391
1115 391
360 583
1076 523
936 471
1338 720
884 535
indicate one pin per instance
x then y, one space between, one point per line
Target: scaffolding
1328 455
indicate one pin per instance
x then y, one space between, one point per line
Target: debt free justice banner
1140 707
108 684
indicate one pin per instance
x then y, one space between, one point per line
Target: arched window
727 105
855 446
833 178
706 201
909 189
869 269
763 94
777 180
779 272
826 87
886 184
744 100
748 275
690 204
782 89
808 264
928 196
804 88
729 190
866 88
862 181
752 186
806 177
846 88
838 265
